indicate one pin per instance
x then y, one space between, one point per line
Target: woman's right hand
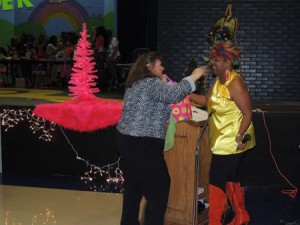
198 72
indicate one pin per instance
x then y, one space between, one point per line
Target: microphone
246 138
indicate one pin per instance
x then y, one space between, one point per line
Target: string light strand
112 173
11 117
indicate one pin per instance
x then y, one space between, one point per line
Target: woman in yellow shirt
231 132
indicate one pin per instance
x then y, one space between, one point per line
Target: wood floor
38 206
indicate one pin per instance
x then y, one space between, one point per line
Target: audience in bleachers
61 48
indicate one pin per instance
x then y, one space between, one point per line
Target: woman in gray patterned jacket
140 137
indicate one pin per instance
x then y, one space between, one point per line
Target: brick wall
268 36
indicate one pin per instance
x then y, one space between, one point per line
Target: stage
25 157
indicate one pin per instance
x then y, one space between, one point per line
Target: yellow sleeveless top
225 121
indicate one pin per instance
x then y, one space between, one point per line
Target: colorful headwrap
227 50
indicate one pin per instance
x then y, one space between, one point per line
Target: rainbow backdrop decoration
70 10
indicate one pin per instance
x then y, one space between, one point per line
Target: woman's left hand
239 141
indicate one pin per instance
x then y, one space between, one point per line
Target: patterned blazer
147 106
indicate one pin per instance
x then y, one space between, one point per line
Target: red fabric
235 195
217 204
87 114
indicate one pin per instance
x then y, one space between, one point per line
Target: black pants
145 174
26 71
102 77
223 169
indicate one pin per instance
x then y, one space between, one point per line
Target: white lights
11 117
111 174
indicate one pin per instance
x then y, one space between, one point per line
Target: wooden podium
188 163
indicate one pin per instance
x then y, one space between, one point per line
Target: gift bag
179 112
182 110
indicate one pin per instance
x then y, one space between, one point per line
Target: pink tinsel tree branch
83 71
85 111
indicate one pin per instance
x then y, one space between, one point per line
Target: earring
227 74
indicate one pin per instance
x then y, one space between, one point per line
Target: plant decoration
201 83
224 28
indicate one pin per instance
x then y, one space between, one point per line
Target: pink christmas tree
85 111
83 72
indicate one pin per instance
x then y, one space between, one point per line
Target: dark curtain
151 24
136 26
